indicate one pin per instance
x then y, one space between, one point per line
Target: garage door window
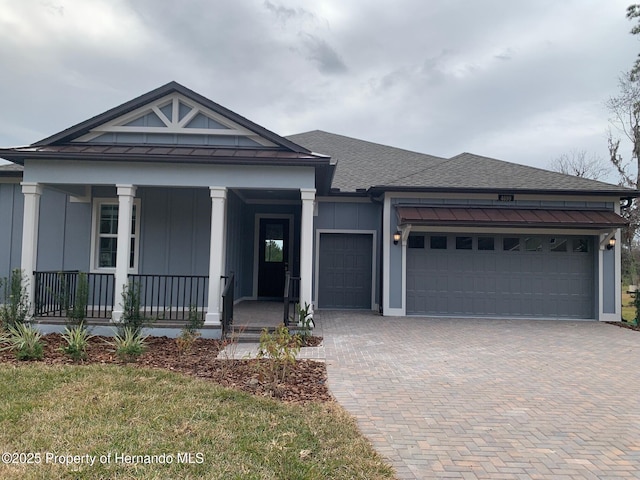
464 243
558 244
533 244
580 245
485 243
416 241
438 243
511 244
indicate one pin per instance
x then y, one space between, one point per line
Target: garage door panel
497 283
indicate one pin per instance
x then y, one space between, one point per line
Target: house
184 196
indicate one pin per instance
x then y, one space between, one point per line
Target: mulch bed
307 381
630 326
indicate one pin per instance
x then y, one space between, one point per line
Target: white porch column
216 254
123 254
28 261
308 196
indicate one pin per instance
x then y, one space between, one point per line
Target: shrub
190 333
132 318
14 305
129 344
77 339
186 340
279 349
195 320
77 312
24 340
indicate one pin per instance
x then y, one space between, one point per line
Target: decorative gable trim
81 129
174 114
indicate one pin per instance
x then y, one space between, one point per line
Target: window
511 244
274 242
438 243
581 245
558 244
416 241
533 244
464 243
105 235
485 243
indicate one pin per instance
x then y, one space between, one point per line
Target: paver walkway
452 398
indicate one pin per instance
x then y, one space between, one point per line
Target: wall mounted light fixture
611 244
396 237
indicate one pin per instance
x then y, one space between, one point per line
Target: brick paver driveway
447 398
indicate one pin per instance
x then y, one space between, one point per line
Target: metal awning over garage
508 217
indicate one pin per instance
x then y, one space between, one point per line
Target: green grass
100 410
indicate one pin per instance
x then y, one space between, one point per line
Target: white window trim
95 223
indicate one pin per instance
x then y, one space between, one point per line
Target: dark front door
273 256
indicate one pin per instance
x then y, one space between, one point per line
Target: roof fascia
625 193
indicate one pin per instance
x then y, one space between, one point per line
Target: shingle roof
364 165
11 170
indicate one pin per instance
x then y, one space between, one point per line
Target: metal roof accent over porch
508 217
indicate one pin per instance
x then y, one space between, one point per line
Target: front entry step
246 334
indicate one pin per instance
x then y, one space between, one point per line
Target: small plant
306 322
77 339
190 333
129 344
14 305
195 320
24 340
279 349
186 340
132 317
77 312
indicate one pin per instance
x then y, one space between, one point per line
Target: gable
172 114
174 119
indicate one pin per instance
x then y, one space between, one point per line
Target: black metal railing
171 297
227 304
291 295
56 293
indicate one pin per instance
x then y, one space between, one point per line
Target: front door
273 256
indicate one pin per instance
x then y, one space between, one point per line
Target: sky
522 81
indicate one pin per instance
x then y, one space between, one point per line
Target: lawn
171 426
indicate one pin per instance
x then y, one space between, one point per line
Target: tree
633 12
625 121
577 163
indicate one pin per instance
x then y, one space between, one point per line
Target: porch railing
171 297
291 295
162 297
56 294
227 304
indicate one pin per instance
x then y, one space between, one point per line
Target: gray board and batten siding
11 208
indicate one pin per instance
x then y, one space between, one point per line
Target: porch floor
249 314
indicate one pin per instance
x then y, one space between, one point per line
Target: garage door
344 277
526 276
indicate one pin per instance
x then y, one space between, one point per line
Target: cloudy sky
524 81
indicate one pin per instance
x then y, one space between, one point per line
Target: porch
168 301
